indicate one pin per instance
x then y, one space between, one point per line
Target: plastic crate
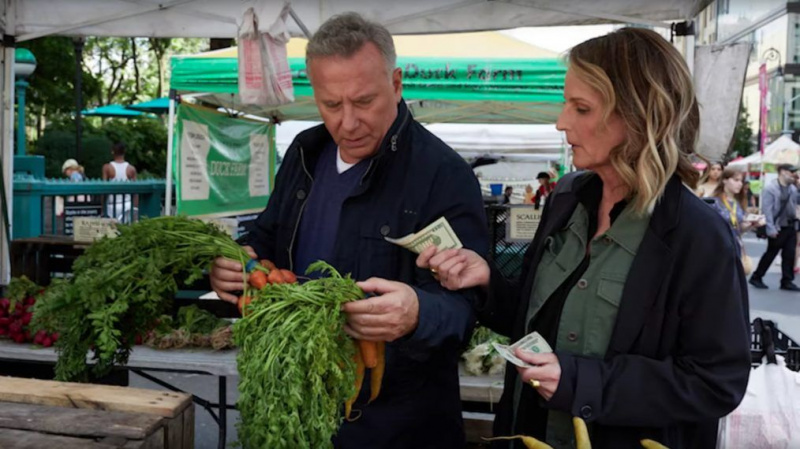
761 331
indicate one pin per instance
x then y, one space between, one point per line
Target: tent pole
7 139
170 139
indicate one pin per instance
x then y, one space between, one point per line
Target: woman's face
714 172
582 119
733 185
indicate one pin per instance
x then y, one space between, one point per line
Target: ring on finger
535 383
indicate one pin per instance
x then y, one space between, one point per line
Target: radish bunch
16 313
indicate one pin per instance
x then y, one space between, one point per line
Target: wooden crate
174 412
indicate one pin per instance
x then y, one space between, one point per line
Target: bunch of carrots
297 366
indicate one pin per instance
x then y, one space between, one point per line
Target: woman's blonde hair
644 79
719 191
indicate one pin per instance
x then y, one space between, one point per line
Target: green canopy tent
114 111
439 90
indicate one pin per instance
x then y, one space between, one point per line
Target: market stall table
222 364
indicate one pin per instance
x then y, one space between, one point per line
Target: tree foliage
742 144
114 71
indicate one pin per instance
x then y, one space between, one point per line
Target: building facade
773 27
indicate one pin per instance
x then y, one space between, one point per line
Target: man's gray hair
345 34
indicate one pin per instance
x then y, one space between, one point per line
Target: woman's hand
546 370
456 268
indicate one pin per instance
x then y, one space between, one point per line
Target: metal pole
20 86
7 152
170 139
78 41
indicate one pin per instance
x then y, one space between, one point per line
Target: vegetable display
122 285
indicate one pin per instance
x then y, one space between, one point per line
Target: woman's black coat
679 356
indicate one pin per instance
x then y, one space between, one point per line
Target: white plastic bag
276 65
769 415
251 69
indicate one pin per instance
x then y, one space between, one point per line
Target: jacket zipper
393 143
302 208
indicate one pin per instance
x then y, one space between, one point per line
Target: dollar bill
532 342
439 234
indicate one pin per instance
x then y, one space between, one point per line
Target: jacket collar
313 141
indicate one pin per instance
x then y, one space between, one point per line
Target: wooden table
222 364
43 413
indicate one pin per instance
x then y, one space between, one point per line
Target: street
780 306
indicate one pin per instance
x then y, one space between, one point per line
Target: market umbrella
157 106
114 111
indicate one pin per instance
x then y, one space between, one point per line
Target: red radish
47 342
26 318
54 336
5 303
3 312
27 335
15 327
3 331
19 338
5 321
30 300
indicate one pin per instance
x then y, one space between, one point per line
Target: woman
545 188
73 170
710 180
633 280
731 202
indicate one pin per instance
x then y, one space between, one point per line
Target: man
371 171
507 194
779 199
119 206
544 189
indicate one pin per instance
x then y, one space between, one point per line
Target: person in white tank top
119 206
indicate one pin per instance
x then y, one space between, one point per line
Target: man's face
787 177
357 99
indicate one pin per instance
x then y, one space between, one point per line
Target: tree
742 144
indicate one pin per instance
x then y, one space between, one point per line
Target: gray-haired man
370 172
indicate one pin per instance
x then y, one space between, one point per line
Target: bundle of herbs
122 285
296 365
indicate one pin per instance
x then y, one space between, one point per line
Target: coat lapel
653 262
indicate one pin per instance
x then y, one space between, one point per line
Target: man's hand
772 235
227 276
386 317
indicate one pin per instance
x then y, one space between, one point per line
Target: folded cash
532 342
439 234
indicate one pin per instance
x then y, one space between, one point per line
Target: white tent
507 142
782 150
22 20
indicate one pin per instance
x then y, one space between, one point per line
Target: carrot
376 376
369 350
266 263
276 277
288 276
244 301
529 442
258 279
348 405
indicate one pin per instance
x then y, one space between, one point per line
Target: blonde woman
633 281
710 180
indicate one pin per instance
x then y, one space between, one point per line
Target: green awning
437 89
114 111
157 106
